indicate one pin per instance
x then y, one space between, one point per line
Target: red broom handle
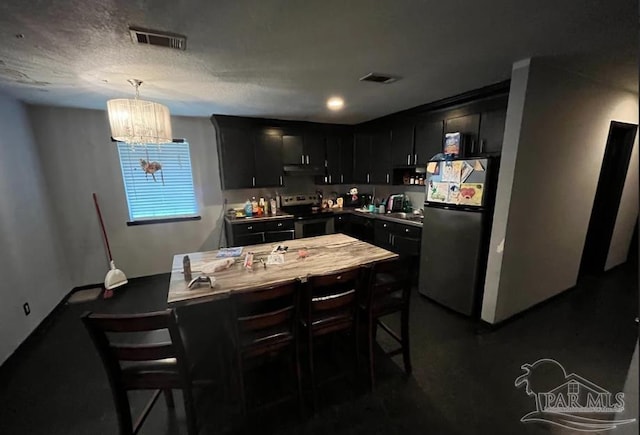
104 232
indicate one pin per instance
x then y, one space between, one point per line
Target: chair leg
406 352
168 397
241 392
371 334
312 375
356 346
123 411
296 362
190 412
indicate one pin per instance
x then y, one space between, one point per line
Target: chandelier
137 121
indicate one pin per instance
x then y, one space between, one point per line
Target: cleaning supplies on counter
248 209
274 208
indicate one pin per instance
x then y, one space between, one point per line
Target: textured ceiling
283 59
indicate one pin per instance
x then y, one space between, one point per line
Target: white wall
80 159
31 267
543 212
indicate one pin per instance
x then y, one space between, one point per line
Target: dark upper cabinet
268 160
380 167
402 153
292 149
314 149
468 125
303 149
339 159
362 158
236 158
428 139
492 131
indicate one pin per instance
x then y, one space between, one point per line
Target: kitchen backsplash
296 184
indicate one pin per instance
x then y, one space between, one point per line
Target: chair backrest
108 330
389 277
266 309
335 292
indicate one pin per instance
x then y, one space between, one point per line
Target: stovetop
303 207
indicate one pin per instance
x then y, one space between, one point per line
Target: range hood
303 170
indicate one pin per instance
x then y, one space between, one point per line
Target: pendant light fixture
137 121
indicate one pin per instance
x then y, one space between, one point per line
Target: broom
115 277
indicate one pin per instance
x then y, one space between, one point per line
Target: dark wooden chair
330 306
160 366
388 292
265 327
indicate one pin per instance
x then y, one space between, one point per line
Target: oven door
314 227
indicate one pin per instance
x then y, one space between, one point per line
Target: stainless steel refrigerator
455 235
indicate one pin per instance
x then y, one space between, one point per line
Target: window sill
163 221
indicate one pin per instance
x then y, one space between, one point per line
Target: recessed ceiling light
335 103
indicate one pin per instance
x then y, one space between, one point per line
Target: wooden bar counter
326 254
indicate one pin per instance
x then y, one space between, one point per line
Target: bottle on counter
262 207
186 268
272 203
248 209
254 205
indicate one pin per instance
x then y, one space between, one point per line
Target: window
157 181
574 388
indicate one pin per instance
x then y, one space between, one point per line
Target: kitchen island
325 254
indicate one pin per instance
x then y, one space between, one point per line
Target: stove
309 218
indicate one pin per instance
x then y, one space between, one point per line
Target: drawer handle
250 227
406 230
280 224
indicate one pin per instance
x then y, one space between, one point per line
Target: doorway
607 200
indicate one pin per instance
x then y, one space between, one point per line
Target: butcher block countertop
326 254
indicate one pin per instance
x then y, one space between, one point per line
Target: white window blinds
171 194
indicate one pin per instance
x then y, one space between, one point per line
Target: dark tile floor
463 380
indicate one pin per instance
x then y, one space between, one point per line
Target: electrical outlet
26 308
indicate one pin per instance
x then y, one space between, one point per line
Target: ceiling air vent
155 37
378 78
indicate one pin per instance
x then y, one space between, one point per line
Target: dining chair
329 306
388 292
265 327
133 362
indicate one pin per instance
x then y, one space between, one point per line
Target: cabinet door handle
408 159
281 180
307 159
329 178
302 159
389 238
341 178
253 181
415 159
367 178
387 178
325 163
482 144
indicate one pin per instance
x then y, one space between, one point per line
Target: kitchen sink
406 216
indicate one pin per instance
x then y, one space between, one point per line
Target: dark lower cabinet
399 238
253 233
341 223
361 228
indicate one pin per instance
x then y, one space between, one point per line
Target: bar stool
388 292
265 326
329 306
144 365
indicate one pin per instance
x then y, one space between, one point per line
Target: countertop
368 215
326 254
269 217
